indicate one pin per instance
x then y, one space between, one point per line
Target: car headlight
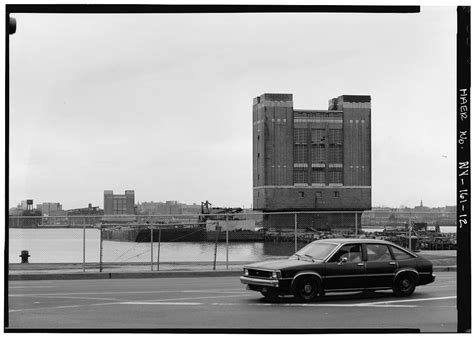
276 274
246 272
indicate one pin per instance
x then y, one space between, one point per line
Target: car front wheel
306 288
404 285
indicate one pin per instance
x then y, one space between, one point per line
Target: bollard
24 256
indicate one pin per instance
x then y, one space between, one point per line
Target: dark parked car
340 265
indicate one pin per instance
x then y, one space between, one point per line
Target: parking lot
220 303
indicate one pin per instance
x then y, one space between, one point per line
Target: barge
196 233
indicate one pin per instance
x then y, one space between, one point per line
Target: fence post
84 245
355 224
215 247
296 232
159 243
409 232
227 242
100 254
151 243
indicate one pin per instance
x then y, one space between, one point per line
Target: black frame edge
127 8
463 88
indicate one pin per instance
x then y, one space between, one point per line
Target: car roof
353 240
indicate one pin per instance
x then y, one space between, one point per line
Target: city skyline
138 202
168 112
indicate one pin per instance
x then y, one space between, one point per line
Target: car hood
280 264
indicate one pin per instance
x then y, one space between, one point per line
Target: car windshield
315 250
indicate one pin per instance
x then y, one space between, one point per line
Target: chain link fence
209 241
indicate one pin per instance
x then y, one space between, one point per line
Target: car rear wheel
404 285
306 288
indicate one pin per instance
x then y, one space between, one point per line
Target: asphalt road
220 302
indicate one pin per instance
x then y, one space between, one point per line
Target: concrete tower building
311 160
119 205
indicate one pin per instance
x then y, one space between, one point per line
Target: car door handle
361 264
392 263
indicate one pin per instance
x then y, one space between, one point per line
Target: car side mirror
342 260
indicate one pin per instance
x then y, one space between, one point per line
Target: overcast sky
162 103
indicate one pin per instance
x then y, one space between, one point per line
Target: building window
301 194
300 154
300 175
300 136
120 206
335 136
335 176
258 155
336 194
318 175
318 153
335 154
318 136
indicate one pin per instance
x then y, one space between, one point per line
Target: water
443 229
65 245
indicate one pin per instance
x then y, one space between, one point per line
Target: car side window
378 252
400 254
353 253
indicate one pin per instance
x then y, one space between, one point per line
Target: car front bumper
259 282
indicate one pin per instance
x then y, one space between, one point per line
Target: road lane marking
213 291
195 298
122 301
162 303
85 298
410 300
62 307
96 293
117 292
22 287
331 305
441 286
264 304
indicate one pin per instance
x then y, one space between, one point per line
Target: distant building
90 215
119 207
25 216
311 160
117 204
173 207
191 209
50 208
167 208
382 216
26 204
421 208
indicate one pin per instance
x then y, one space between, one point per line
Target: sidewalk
69 271
442 261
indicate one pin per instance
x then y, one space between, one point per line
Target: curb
123 275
